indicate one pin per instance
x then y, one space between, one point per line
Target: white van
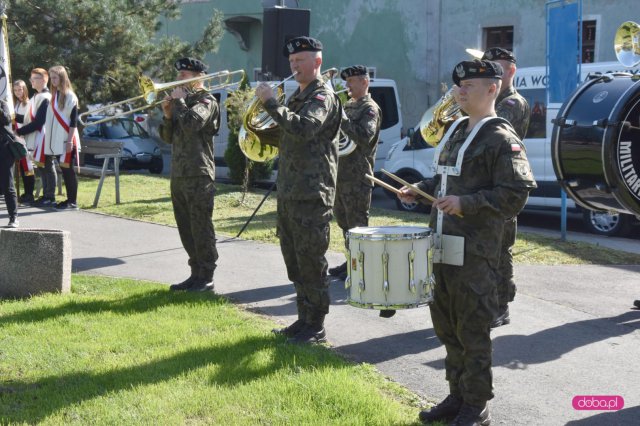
383 91
411 158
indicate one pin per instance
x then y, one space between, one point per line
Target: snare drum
390 267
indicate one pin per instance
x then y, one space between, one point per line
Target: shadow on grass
38 399
137 303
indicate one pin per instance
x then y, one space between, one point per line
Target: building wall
414 42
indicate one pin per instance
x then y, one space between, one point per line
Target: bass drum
595 146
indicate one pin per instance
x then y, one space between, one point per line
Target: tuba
259 134
445 112
626 44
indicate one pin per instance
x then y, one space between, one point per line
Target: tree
105 44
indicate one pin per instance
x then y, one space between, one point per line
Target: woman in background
61 137
21 106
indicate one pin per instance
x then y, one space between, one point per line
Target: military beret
498 53
353 71
466 70
301 44
190 64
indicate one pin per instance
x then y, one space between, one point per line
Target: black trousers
6 181
70 179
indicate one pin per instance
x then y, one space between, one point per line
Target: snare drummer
511 106
361 124
493 185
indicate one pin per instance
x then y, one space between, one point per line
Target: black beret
353 71
190 64
496 53
466 70
301 44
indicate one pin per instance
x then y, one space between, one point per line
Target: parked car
411 158
140 151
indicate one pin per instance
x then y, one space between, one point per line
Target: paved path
573 332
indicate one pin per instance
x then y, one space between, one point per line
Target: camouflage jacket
494 185
195 120
362 126
308 164
511 106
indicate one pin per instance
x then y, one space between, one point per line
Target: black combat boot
291 330
445 411
387 313
202 284
184 285
502 318
309 334
339 271
470 415
636 303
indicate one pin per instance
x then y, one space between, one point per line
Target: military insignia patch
290 47
460 71
489 55
320 97
511 102
515 147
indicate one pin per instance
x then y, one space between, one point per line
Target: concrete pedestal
34 261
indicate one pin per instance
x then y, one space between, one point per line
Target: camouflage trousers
192 199
465 302
506 285
352 206
303 229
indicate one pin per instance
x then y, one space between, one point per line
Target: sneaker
337 271
13 223
470 415
67 205
445 411
201 284
184 285
291 330
502 318
45 202
309 335
26 199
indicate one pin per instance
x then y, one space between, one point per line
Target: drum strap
449 249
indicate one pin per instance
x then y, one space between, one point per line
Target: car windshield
120 129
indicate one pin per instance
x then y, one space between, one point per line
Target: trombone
151 91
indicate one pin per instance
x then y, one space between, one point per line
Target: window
588 41
498 37
385 97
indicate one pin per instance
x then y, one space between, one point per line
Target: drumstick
383 184
412 186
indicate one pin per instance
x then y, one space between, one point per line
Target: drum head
388 232
596 156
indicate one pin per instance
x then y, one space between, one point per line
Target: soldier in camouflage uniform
191 119
362 126
306 184
511 106
493 185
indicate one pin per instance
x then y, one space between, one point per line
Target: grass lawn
118 351
145 197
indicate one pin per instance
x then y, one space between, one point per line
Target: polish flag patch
515 147
320 97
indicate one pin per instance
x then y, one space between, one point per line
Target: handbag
17 147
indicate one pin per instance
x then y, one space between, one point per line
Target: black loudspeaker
279 25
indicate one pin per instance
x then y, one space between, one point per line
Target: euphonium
446 111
